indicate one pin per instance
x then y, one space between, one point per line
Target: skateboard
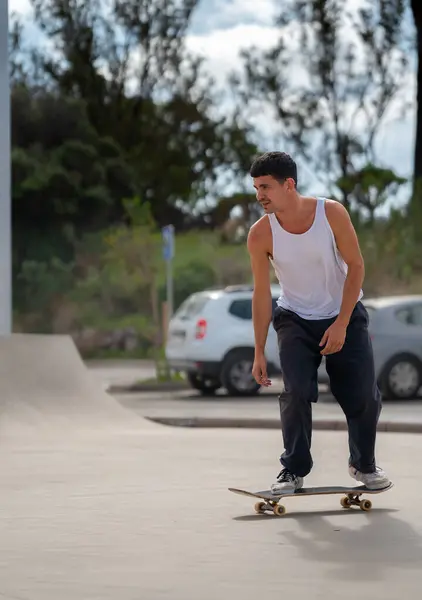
351 497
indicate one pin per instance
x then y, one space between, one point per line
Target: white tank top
309 268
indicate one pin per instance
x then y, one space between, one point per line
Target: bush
188 279
110 296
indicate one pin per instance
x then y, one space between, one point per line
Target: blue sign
168 242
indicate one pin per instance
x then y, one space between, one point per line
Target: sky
221 28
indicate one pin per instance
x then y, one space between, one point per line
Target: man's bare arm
348 245
261 298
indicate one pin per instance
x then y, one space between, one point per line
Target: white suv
211 339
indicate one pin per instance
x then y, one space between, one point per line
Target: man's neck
298 210
301 211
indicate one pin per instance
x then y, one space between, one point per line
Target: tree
417 15
329 81
66 179
370 188
107 51
126 61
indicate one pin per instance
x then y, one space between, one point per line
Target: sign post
168 254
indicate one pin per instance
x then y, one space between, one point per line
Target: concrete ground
148 515
189 404
97 503
121 372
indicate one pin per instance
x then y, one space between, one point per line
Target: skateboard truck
280 510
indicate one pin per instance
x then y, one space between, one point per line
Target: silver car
395 326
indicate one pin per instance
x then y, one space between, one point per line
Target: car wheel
236 374
402 377
206 385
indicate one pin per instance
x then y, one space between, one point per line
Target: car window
192 306
417 315
403 315
411 315
243 308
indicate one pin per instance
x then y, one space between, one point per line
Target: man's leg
299 360
353 383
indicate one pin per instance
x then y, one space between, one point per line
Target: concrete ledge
318 424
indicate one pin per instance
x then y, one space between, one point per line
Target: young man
315 253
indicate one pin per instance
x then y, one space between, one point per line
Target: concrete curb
318 424
162 386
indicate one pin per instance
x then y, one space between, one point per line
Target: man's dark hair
279 165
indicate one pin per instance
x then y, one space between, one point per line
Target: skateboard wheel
365 505
279 510
259 507
345 502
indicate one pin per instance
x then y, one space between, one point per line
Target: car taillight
201 329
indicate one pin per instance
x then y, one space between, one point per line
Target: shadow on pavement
378 543
291 514
383 542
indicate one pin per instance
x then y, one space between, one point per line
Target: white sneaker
286 481
373 481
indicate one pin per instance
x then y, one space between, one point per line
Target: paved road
188 404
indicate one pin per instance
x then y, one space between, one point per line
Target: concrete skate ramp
46 387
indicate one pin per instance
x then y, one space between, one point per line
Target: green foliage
101 131
414 210
370 187
118 280
194 276
393 261
42 286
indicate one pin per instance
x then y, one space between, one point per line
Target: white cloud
242 10
20 6
211 15
221 48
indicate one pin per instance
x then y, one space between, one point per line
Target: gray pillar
5 200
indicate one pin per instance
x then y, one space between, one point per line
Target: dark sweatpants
352 381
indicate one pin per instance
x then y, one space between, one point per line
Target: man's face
272 195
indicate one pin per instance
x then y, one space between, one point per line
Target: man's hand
259 370
333 338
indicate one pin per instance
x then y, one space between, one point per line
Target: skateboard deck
351 496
